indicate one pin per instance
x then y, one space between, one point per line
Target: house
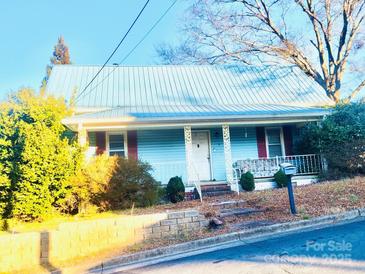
207 124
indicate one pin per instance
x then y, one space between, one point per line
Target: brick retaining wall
80 239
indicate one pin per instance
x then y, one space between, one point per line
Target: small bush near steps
247 181
175 190
281 179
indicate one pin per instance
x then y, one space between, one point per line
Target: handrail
197 182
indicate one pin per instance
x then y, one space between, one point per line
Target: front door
201 155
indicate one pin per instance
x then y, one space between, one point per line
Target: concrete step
229 204
216 193
215 187
229 212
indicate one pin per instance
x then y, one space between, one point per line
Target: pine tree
61 55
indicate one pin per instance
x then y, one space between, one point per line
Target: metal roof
187 92
186 85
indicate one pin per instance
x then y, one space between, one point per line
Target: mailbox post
289 170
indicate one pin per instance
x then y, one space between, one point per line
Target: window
274 144
116 145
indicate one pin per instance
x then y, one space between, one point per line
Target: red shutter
132 145
288 140
261 142
100 142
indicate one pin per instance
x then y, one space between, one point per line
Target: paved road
338 249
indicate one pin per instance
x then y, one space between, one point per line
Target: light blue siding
217 151
243 146
165 151
243 143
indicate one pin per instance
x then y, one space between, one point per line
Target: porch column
227 154
81 135
188 154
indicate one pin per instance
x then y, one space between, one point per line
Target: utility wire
115 50
136 46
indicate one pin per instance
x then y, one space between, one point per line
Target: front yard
254 209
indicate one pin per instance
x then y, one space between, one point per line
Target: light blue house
204 123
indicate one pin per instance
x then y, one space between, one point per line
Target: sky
91 29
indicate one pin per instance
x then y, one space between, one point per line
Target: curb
167 253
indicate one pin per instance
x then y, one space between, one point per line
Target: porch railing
310 164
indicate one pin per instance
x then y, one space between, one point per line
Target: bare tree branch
251 31
355 92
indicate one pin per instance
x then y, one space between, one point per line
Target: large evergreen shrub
36 162
340 137
175 190
247 181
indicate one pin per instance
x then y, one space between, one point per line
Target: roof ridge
177 65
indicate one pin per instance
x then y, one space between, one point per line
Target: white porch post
81 135
227 154
188 154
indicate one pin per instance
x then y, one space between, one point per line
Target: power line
115 50
135 47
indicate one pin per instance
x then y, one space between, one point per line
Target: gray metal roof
186 85
190 92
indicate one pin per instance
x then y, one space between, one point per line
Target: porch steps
216 189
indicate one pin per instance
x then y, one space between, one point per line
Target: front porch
206 154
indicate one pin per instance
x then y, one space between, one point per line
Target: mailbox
288 168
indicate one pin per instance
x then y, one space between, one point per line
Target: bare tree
324 38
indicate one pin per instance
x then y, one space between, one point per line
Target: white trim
281 141
125 138
209 148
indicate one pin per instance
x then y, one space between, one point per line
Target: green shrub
281 179
175 190
247 181
340 137
130 185
90 183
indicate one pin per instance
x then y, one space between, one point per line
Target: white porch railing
310 164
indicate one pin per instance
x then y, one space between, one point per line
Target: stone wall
79 239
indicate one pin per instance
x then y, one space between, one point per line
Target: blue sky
91 28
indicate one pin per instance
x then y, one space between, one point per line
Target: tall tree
61 55
324 38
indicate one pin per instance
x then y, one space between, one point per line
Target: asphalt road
338 249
